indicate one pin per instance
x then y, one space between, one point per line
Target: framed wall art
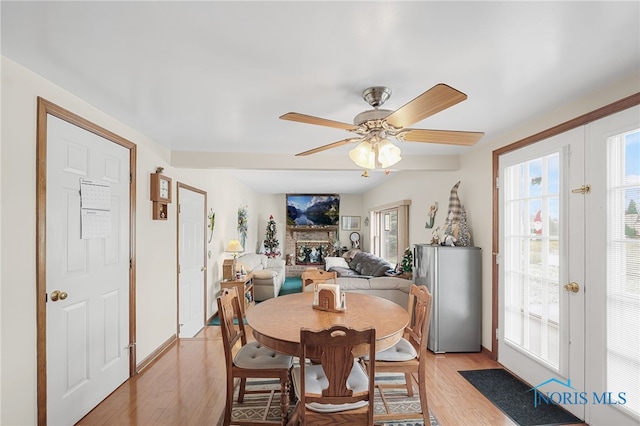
350 223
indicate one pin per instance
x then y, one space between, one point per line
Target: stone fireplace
307 246
312 252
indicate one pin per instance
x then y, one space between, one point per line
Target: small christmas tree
407 261
271 244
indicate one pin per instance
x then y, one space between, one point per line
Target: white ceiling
213 77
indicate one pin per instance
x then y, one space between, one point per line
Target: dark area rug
513 397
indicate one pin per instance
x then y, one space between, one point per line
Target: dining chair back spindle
335 389
251 360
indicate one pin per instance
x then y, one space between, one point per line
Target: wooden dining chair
251 360
408 356
315 275
336 389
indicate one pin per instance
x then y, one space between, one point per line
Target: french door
569 268
541 282
613 247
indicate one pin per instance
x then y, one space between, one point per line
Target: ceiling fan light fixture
388 153
363 155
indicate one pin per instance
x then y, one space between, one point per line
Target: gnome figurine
455 229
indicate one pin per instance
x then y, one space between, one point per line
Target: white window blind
623 266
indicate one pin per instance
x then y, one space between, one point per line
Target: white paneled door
191 261
87 270
541 322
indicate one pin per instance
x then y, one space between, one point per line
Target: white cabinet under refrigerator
453 276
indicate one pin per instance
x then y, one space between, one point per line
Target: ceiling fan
372 127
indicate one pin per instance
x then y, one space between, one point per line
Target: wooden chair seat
401 351
254 355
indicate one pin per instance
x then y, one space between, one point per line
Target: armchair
268 274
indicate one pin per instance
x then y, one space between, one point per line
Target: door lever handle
584 189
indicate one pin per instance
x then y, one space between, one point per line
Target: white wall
156 245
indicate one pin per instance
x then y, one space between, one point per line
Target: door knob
204 268
58 295
573 287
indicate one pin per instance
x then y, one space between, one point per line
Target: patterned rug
254 405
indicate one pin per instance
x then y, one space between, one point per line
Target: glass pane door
541 264
531 257
613 250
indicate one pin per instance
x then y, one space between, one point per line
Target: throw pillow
330 262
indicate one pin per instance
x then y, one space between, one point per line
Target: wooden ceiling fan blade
308 119
434 100
450 137
328 146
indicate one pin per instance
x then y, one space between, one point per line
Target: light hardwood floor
186 386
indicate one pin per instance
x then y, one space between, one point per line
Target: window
390 230
531 256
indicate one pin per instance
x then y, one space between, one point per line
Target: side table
244 288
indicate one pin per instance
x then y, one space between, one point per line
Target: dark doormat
515 398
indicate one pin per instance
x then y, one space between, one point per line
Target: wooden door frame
582 120
204 260
45 108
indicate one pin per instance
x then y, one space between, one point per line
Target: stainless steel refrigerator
453 276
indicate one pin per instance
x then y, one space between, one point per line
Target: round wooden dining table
276 322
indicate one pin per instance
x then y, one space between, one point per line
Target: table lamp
229 265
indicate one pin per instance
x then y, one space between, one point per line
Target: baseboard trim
156 354
489 353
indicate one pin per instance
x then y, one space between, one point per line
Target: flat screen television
313 209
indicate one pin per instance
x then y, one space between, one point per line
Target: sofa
356 263
362 272
390 288
268 274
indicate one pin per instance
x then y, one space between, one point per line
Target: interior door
191 261
541 322
613 245
87 270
